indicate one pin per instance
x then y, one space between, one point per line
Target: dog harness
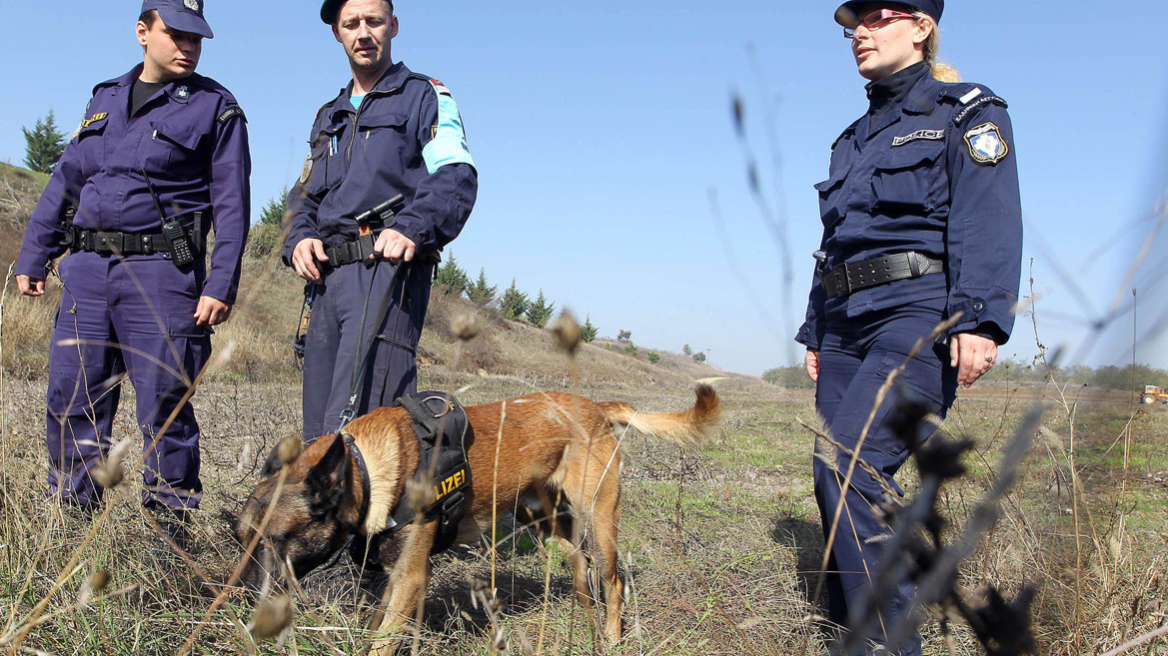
440 424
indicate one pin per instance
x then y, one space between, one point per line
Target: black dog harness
440 424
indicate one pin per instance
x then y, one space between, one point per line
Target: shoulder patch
986 144
230 113
100 116
448 143
975 105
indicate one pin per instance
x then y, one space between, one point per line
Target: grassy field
722 543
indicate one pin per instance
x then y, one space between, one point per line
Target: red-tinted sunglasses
876 20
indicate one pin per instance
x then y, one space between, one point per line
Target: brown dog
552 448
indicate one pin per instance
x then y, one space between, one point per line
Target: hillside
266 315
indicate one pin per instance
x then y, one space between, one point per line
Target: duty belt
845 279
129 243
361 250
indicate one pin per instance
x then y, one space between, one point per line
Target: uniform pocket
171 148
329 155
832 198
907 178
384 136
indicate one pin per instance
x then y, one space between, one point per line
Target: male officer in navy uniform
138 297
390 131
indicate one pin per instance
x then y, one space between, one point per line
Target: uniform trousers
334 341
132 317
856 358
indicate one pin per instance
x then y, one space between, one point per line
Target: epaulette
434 82
970 98
851 128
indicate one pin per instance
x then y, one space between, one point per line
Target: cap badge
183 92
193 5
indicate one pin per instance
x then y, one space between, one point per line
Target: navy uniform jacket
191 137
938 176
406 139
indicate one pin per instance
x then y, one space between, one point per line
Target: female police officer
922 223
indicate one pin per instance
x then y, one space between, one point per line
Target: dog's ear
326 480
273 464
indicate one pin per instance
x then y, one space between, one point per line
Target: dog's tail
687 428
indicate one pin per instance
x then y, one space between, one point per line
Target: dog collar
366 486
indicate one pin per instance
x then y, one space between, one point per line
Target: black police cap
848 13
330 9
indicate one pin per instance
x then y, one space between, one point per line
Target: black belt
848 278
132 243
361 250
121 243
351 252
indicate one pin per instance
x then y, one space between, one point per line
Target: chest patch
986 144
919 135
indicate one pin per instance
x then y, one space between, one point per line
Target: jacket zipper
357 115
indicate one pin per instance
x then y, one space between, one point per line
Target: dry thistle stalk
93 587
465 326
420 493
272 617
289 449
567 332
109 473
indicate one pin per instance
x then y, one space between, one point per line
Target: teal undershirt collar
356 100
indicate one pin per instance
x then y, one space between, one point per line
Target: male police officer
138 298
389 132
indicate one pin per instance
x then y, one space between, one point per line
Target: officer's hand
211 312
305 256
973 355
812 362
395 247
30 286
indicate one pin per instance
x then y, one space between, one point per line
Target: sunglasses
876 20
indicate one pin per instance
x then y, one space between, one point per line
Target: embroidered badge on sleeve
986 144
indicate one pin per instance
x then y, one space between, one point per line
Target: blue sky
600 129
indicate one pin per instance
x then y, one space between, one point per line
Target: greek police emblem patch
986 144
307 171
193 5
182 92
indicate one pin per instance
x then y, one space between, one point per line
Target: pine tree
587 331
480 293
451 279
43 145
275 209
514 303
266 236
540 311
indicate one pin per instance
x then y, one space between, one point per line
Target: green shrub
654 358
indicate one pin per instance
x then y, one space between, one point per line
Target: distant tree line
514 305
1111 377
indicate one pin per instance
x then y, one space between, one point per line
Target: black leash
361 363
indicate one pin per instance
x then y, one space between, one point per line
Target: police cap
181 15
330 9
848 13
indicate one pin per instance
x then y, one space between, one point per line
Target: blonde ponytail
941 71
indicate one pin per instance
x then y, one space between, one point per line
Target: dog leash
361 363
